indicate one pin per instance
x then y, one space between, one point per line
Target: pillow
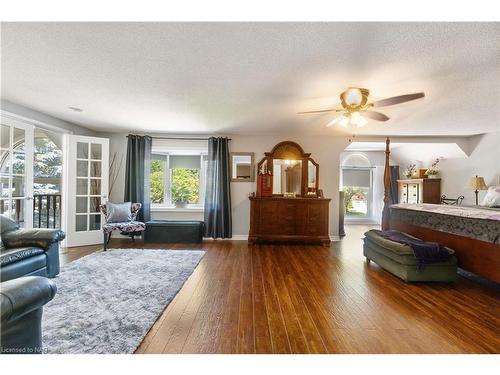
118 212
492 197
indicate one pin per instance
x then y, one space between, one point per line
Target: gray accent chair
22 301
28 252
132 227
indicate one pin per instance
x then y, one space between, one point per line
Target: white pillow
492 197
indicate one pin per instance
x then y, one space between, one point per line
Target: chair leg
107 238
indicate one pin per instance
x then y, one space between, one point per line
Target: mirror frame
252 166
292 151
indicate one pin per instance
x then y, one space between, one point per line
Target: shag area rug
106 302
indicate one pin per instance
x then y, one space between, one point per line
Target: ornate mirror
289 171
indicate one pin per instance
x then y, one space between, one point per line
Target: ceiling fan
355 107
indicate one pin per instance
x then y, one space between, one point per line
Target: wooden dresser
289 219
420 190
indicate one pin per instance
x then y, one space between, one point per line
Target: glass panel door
88 164
16 172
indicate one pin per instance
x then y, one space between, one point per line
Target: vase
432 176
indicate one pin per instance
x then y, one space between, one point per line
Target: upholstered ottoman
173 231
399 260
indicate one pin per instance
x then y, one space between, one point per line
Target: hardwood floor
311 299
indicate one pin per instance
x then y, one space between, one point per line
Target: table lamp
476 183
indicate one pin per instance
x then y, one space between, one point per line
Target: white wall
325 150
482 158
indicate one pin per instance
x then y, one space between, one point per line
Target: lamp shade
476 183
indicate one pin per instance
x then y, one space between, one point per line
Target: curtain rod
184 138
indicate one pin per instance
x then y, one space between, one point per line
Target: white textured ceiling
253 77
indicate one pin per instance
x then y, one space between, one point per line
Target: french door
86 187
16 171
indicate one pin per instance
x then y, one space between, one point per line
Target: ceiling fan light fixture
358 120
344 121
353 96
362 122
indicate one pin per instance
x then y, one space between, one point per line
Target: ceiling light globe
362 122
353 96
355 118
344 121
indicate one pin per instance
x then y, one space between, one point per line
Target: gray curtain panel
394 184
137 178
218 221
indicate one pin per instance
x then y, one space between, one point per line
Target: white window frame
167 204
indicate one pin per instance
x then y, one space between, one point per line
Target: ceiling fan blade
320 111
334 121
398 99
375 115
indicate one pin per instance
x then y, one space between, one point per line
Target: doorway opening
356 183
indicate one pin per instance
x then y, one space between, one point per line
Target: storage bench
399 260
173 231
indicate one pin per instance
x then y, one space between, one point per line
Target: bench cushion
126 227
400 261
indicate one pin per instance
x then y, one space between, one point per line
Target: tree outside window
157 181
180 184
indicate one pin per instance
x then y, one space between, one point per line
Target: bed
473 232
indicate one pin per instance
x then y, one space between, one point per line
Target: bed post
387 188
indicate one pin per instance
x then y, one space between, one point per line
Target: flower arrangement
432 171
410 170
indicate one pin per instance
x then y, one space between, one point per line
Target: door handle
29 198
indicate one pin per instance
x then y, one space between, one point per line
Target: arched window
46 174
356 183
47 162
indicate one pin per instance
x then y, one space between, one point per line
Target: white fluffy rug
106 302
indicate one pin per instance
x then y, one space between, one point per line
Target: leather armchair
21 301
25 252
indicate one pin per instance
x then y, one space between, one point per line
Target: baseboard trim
235 237
244 237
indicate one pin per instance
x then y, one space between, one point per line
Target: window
47 176
178 179
356 183
356 187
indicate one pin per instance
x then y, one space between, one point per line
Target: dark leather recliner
28 252
21 313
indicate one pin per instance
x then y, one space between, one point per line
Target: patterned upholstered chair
131 227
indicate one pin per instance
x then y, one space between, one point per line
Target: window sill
176 209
